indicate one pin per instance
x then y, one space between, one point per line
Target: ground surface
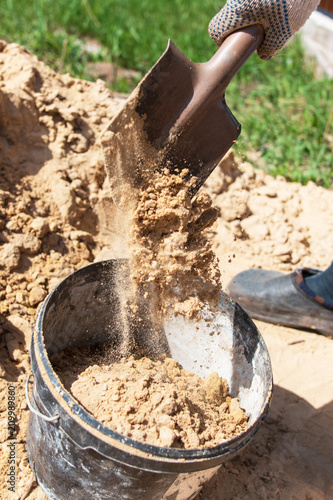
56 216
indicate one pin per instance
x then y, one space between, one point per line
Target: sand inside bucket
151 399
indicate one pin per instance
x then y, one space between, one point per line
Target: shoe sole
276 320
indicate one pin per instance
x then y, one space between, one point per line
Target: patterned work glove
280 19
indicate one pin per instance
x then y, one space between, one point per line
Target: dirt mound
56 216
277 224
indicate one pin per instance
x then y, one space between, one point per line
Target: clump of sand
170 247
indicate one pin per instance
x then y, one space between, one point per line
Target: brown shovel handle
231 55
210 79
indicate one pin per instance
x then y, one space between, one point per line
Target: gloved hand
280 19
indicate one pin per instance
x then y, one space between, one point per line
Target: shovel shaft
210 79
231 56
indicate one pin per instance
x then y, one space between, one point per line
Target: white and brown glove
281 19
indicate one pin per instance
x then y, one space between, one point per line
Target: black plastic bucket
73 454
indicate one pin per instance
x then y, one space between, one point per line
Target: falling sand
164 229
170 247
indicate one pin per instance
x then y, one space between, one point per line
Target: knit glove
280 19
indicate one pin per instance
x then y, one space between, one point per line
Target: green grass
286 114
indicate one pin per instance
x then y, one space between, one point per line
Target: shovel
177 117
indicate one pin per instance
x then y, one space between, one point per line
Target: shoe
282 299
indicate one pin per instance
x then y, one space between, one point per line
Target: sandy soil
152 400
56 216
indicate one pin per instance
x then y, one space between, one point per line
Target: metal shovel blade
178 114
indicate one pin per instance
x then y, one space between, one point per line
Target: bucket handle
32 409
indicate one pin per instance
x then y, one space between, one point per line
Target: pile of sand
56 216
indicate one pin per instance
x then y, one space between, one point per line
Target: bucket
76 456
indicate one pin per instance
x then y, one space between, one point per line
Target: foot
321 283
283 299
